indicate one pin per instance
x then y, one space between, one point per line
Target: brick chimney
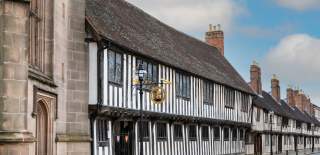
215 37
255 78
290 97
304 103
275 88
307 104
298 98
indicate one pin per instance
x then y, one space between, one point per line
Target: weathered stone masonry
62 85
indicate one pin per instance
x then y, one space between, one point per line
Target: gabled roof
313 119
303 117
128 26
292 111
289 110
267 102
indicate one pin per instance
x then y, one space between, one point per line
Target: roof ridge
129 26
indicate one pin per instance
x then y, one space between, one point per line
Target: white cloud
296 59
270 32
299 5
192 15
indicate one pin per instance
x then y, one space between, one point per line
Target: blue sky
282 35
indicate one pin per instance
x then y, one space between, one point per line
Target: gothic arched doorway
42 128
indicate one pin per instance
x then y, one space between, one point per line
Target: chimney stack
215 37
309 105
290 97
255 78
304 102
275 88
298 98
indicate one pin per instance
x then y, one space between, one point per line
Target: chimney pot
290 97
215 38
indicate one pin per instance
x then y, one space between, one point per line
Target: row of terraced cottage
209 109
67 86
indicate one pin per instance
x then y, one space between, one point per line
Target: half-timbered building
281 126
207 105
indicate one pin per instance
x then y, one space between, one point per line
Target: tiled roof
127 25
267 102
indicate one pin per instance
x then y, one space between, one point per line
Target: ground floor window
241 134
267 140
178 132
216 131
226 134
145 130
205 133
161 131
234 134
192 133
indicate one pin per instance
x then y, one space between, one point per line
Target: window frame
226 137
145 133
208 92
279 120
38 35
176 134
234 134
192 134
183 85
162 133
298 125
241 134
206 136
267 140
266 116
146 63
218 136
244 102
285 122
229 97
114 80
102 129
258 114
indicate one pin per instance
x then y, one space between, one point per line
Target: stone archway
45 113
42 128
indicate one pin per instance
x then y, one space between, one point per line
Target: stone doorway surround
46 101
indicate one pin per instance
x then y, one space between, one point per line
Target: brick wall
215 37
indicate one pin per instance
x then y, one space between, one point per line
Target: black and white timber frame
120 102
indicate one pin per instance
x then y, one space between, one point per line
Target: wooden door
123 138
258 144
295 143
42 130
280 143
